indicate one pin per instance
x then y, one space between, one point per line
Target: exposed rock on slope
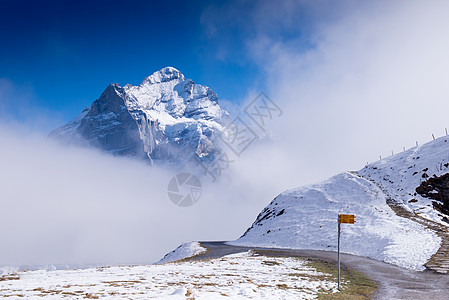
437 188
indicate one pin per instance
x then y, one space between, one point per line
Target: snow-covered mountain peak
164 75
168 93
167 117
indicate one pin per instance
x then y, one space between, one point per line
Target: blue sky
63 54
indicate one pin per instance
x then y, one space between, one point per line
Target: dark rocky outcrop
109 125
436 188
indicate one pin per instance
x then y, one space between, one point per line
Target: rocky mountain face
166 119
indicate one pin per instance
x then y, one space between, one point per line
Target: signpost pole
338 252
349 219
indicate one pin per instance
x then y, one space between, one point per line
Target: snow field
238 276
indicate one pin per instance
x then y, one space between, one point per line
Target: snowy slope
167 118
306 217
401 174
186 250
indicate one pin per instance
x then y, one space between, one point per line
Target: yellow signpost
348 219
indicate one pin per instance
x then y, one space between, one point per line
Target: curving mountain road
393 282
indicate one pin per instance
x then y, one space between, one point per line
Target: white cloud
64 205
363 79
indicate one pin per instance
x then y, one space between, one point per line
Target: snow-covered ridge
306 217
401 174
164 75
165 118
186 250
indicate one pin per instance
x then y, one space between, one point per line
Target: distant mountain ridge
167 118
